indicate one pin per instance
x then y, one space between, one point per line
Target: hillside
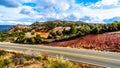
4 28
48 25
18 28
107 41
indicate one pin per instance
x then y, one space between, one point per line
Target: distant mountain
4 28
112 19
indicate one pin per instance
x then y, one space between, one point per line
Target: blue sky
28 11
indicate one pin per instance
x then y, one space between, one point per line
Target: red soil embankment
106 41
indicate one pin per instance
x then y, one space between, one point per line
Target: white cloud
14 22
57 4
63 6
1 15
106 4
56 9
27 10
109 2
11 13
99 13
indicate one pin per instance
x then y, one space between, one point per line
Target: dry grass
21 60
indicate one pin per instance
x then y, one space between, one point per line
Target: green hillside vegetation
77 29
10 37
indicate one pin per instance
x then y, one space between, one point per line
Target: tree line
84 29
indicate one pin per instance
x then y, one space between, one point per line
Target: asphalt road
105 59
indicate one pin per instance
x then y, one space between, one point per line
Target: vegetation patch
21 60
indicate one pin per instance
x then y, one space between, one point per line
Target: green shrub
2 39
50 36
32 40
4 61
38 39
39 57
28 57
1 61
7 61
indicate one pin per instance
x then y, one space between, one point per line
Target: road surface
105 59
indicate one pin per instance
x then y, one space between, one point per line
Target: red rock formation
106 41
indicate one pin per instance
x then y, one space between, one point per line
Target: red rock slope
106 41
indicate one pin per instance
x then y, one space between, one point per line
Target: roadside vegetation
23 60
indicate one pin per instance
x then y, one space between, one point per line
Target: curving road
105 59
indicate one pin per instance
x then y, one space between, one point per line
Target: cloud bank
29 11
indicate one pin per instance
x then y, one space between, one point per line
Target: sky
26 12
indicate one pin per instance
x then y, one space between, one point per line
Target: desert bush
7 61
22 60
59 63
18 61
1 61
38 39
32 40
2 39
4 61
39 57
50 36
28 57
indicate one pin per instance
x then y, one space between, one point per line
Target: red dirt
106 41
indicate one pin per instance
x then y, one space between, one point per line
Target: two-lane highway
105 59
